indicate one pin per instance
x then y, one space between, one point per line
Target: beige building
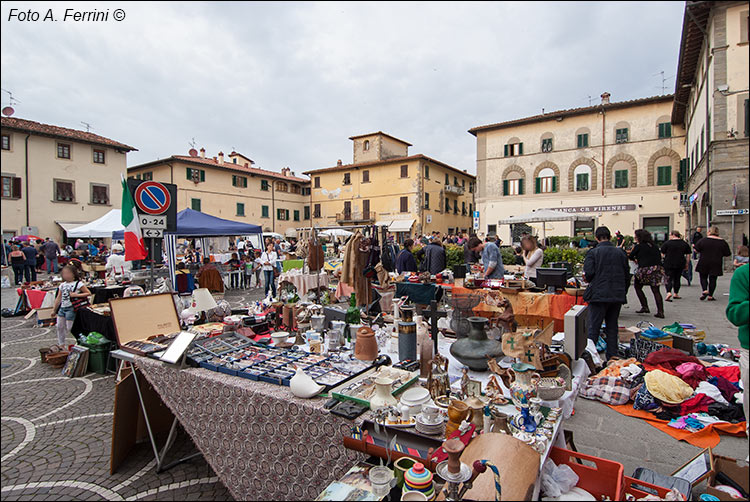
384 185
55 178
233 189
617 164
711 102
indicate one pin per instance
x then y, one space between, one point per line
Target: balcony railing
455 189
356 217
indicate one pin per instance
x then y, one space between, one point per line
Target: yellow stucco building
384 185
55 178
233 189
617 164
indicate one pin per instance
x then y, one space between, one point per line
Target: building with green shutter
618 164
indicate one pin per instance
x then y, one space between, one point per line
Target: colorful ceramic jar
419 479
523 387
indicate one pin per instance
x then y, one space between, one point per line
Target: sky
287 84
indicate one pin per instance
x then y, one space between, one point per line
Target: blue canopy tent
192 223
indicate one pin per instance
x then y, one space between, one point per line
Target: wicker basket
549 390
57 359
43 354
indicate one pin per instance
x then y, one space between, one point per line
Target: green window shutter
579 138
234 180
195 204
296 215
520 149
506 151
621 178
537 185
667 130
189 173
203 175
520 186
264 211
554 183
664 175
505 187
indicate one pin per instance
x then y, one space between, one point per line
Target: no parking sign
156 204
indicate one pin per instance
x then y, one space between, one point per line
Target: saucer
422 419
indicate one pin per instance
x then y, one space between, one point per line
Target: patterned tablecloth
304 282
262 442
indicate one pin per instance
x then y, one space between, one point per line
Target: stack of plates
431 428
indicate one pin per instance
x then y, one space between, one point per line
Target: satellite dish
8 111
193 152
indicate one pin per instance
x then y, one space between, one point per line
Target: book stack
77 362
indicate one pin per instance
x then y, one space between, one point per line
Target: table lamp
202 301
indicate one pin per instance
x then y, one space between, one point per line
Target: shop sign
730 212
595 209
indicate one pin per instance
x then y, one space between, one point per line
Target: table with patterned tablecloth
262 442
305 282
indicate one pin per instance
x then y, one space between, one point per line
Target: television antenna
11 100
590 99
192 143
87 125
663 81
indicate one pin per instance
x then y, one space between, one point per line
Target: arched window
620 174
582 178
513 148
282 187
546 182
582 137
366 145
622 132
664 127
513 181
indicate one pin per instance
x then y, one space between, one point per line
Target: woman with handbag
72 295
650 271
268 262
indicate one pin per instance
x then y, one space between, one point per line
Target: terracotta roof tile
61 132
382 134
210 162
388 161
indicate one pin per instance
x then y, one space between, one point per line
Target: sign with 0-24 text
153 221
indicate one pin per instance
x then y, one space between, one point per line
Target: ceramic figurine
527 420
438 382
523 387
474 349
382 397
302 385
465 382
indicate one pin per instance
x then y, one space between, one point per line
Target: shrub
509 257
454 255
571 255
559 240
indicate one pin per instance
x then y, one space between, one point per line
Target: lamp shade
202 301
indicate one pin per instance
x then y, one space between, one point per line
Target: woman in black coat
711 249
650 271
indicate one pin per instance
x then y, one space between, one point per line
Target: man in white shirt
116 264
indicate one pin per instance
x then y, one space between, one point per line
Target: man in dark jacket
606 270
405 261
434 258
29 270
470 256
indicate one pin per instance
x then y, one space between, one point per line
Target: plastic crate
98 355
634 487
604 479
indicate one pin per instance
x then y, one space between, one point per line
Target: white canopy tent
542 216
336 232
101 227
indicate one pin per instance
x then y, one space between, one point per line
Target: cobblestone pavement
56 431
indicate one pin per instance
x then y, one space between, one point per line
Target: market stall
542 216
102 227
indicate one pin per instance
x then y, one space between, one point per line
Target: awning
68 226
401 226
383 223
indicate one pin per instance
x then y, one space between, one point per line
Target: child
247 271
234 264
258 269
71 289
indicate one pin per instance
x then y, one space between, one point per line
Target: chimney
221 157
203 153
605 98
291 173
338 163
247 165
215 159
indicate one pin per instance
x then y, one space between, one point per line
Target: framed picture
697 469
474 388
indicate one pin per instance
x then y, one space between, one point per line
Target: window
264 185
463 208
296 215
366 209
404 204
99 194
582 178
196 175
744 27
239 181
347 179
405 171
282 187
447 179
664 175
546 182
513 149
426 171
347 209
427 201
306 190
98 156
240 209
282 214
295 189
747 118
365 176
455 206
665 130
307 212
455 181
621 135
366 145
317 182
195 204
63 151
471 187
11 187
582 140
6 144
513 187
463 183
621 178
148 176
703 138
547 145
471 209
491 229
64 191
264 211
316 210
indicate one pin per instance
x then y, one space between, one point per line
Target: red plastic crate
604 479
630 486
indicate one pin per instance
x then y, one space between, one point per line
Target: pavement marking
173 486
135 476
99 490
29 437
101 378
76 418
86 390
16 342
32 360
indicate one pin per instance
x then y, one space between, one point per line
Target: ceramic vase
383 397
458 411
366 348
419 479
474 349
523 386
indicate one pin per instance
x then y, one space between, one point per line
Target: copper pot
366 347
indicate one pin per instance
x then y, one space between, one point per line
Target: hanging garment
315 257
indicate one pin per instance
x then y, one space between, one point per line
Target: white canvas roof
101 227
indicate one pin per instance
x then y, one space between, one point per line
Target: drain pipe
604 121
26 160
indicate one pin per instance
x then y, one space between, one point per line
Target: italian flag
134 247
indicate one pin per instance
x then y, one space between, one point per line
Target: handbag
79 303
276 272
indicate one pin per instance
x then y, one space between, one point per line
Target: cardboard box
138 318
731 468
46 317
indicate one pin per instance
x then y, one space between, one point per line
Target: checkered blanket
607 389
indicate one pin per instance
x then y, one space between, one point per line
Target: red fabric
693 374
34 297
667 360
731 373
440 453
696 404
